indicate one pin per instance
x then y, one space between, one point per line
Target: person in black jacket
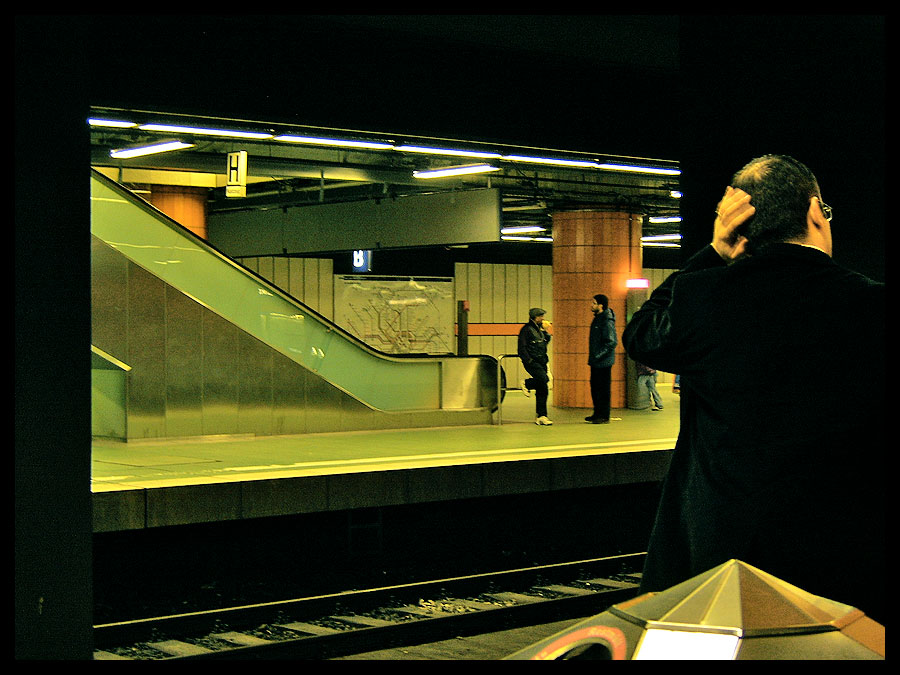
602 343
781 352
533 341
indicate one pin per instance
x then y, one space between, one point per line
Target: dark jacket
642 369
780 456
602 340
533 343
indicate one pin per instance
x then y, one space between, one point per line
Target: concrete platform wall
190 504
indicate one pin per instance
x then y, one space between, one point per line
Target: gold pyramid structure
733 611
740 596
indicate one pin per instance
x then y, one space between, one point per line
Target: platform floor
157 483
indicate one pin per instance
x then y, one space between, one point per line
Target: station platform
150 484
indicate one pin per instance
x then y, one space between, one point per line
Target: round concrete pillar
593 252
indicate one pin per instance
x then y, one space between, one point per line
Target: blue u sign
362 261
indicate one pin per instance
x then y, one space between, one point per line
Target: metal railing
501 388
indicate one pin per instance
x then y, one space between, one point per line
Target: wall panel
295 286
220 376
184 346
146 388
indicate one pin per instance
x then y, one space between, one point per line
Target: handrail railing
501 388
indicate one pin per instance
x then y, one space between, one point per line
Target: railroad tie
310 628
243 639
566 590
179 648
367 621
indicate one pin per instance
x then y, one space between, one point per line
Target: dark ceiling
708 92
591 83
553 85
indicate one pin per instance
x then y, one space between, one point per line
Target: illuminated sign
236 186
362 261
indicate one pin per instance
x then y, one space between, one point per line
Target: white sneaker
525 389
543 421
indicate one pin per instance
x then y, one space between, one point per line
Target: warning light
637 283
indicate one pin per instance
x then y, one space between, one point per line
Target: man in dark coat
602 343
779 459
532 349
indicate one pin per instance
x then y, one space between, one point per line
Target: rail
358 621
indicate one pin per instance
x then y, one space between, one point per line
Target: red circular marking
612 636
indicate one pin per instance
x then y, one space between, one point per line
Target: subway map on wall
397 315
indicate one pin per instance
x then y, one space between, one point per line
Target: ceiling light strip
521 229
662 237
512 237
381 145
312 140
126 153
640 169
448 152
455 171
548 160
201 131
114 124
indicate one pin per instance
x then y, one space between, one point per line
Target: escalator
212 348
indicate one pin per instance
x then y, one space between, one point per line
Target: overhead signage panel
438 219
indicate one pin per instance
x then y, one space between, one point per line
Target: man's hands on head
733 210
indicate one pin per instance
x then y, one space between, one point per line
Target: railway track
358 621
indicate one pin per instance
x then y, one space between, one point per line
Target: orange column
185 205
593 252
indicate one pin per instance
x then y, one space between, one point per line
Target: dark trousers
538 383
600 384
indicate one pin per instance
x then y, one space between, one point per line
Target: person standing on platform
779 460
533 341
646 381
602 343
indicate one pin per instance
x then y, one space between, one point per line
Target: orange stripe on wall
494 328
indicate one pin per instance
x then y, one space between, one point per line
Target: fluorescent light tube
664 219
455 171
126 153
592 165
548 160
170 128
512 237
443 151
661 237
520 229
371 145
640 169
116 124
